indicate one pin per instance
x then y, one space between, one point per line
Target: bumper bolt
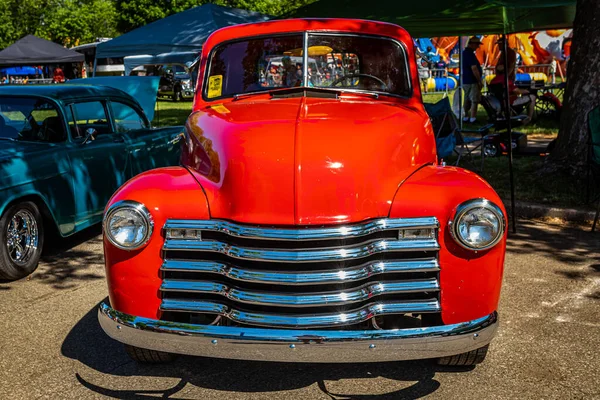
119 327
292 346
214 341
475 336
372 346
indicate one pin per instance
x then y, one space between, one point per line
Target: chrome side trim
350 274
327 254
288 345
336 232
353 295
307 320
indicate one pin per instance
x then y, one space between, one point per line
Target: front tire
467 359
147 356
21 240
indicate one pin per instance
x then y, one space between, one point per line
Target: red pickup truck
310 220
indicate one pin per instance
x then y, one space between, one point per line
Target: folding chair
447 131
594 152
495 107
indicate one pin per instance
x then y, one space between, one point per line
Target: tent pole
509 132
460 85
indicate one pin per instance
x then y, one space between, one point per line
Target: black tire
470 358
177 95
147 356
11 269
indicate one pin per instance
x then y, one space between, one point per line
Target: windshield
338 61
30 119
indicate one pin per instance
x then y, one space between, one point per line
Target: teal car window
126 118
30 119
91 114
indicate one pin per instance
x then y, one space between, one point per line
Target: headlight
477 225
128 225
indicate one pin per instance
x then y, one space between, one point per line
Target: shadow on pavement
88 344
64 263
564 244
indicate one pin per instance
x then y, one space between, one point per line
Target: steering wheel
33 130
341 78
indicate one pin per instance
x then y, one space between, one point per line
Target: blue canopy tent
182 32
21 71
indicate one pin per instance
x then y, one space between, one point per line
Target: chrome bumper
283 345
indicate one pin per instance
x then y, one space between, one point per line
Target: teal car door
148 148
98 157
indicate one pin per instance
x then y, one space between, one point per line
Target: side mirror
90 134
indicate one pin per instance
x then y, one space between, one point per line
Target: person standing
471 79
552 69
512 60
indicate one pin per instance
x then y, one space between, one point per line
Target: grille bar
350 296
339 275
302 320
296 234
299 256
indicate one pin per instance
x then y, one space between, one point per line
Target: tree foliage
136 13
68 22
72 22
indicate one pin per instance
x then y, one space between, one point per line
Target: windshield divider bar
305 60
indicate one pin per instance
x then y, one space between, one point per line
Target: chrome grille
299 277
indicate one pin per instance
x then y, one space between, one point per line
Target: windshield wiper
299 91
288 91
8 138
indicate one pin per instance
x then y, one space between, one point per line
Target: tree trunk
582 92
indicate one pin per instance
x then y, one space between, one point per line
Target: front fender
470 281
134 276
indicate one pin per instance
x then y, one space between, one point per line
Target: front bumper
283 345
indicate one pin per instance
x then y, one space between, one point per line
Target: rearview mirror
90 134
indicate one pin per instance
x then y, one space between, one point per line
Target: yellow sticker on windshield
215 86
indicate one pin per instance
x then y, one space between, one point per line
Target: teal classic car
64 150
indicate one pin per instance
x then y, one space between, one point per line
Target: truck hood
305 161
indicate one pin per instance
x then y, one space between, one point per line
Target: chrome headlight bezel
137 208
465 208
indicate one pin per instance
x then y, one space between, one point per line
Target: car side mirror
90 134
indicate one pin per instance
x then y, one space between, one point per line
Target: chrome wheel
22 237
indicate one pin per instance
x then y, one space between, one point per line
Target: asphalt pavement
548 344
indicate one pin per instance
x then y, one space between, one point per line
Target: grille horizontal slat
302 320
299 256
354 295
307 233
337 275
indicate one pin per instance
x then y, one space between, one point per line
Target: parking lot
547 346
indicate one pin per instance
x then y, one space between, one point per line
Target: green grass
557 190
530 185
544 128
168 112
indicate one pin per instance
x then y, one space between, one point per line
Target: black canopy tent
32 50
456 18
